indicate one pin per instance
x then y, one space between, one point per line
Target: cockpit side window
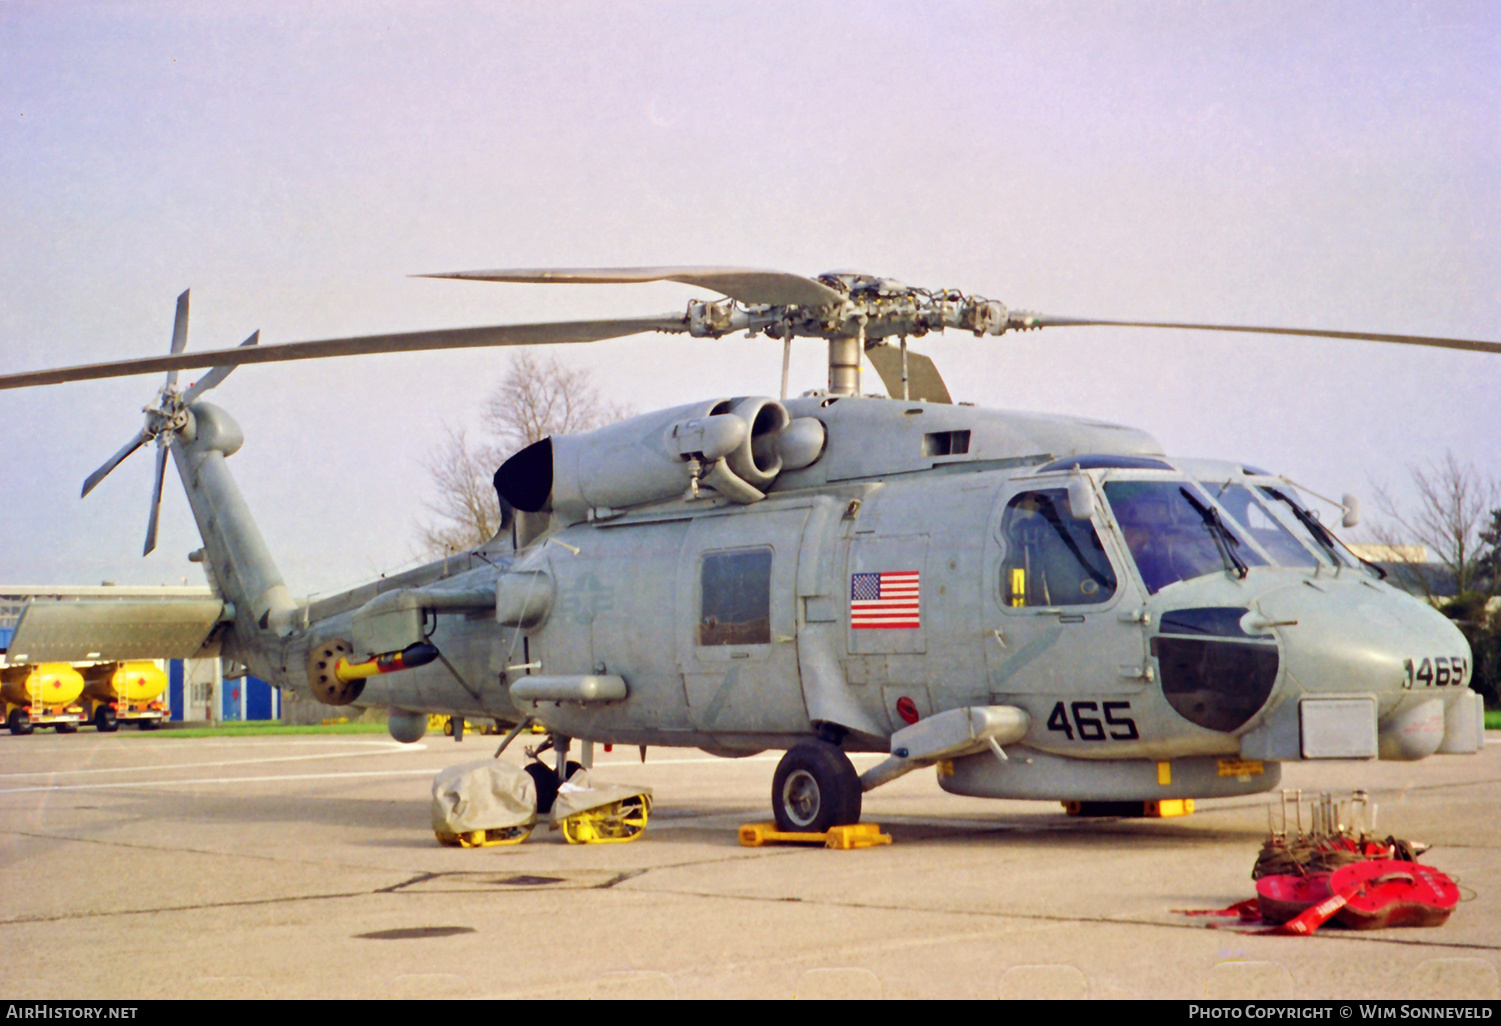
1052 559
1173 535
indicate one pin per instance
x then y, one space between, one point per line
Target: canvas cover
485 795
581 794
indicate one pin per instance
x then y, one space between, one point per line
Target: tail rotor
165 419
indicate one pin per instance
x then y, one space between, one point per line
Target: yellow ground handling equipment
595 813
840 838
489 802
128 692
478 804
44 695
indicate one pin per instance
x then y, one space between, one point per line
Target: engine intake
735 446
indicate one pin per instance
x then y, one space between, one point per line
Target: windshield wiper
1223 539
1320 532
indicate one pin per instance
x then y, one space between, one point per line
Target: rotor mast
844 364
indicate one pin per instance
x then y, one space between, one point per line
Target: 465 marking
1082 720
1438 672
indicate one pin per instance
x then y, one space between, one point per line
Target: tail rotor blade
216 375
179 332
156 498
114 461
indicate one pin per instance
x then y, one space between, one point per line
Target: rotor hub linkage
169 415
873 308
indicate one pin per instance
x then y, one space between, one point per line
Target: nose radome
1351 637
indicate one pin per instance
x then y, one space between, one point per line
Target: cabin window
1052 559
735 598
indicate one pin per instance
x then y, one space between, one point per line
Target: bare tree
1455 504
536 398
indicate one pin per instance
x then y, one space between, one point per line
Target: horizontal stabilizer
77 630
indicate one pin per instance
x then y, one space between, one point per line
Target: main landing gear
814 788
546 778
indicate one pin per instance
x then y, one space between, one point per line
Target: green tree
1484 618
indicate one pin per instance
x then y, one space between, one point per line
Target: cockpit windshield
1262 525
1303 523
1174 534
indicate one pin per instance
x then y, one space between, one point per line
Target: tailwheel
615 823
815 787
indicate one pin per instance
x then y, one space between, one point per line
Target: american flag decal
885 600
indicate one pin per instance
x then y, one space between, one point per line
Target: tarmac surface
138 865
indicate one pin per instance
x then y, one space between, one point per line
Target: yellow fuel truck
129 692
44 695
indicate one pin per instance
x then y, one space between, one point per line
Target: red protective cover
1285 895
1385 892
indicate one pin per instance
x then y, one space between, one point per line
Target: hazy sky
1327 165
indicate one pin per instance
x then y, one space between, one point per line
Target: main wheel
815 787
19 722
105 720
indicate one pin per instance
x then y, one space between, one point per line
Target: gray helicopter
1042 607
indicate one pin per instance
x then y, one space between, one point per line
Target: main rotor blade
156 497
114 461
213 377
179 332
774 288
360 345
924 383
1022 319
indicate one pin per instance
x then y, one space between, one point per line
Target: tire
546 780
66 728
105 721
148 724
19 722
814 788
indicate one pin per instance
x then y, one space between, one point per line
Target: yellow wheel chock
485 838
614 823
841 838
